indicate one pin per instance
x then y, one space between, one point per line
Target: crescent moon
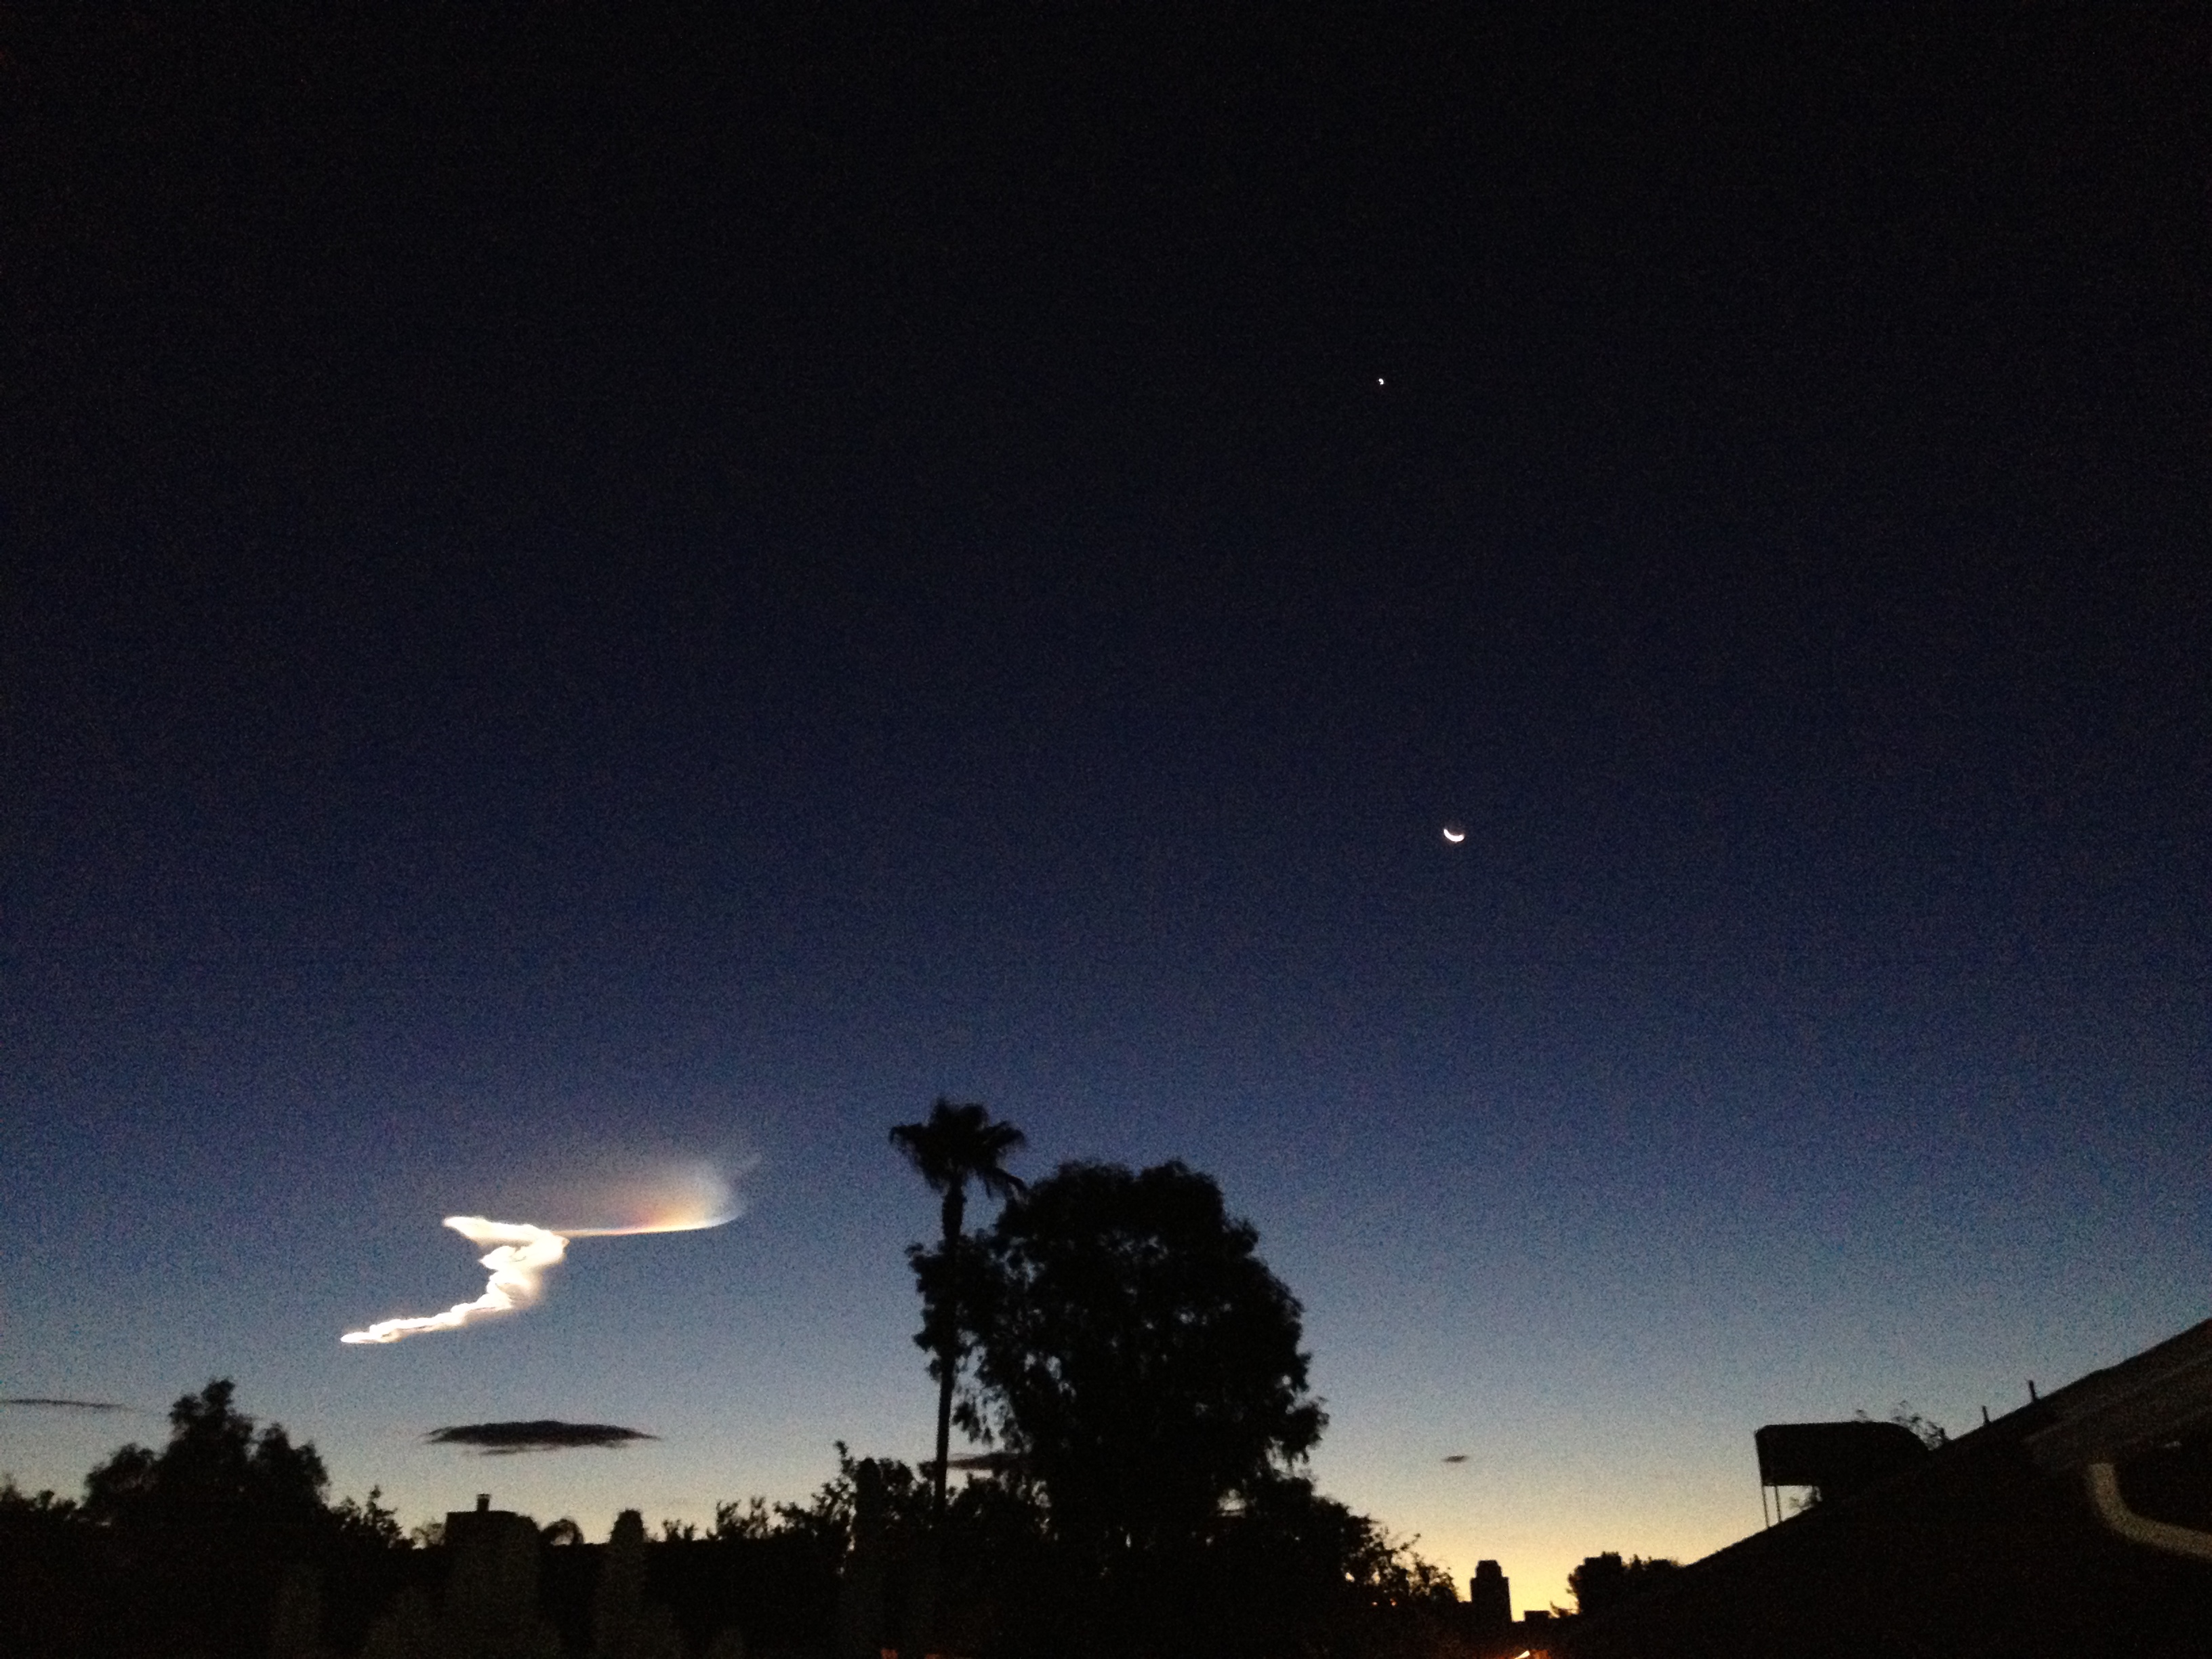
1455 837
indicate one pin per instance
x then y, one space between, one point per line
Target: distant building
491 1587
1489 1598
1487 1624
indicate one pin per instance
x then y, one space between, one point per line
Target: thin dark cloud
994 1462
53 1403
541 1434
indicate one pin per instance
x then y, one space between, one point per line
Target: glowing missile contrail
521 1253
518 1265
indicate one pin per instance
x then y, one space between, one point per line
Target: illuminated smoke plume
681 1201
518 1267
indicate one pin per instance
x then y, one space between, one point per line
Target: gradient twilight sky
584 590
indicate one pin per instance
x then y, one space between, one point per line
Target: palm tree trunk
948 1360
944 1433
954 1216
933 1567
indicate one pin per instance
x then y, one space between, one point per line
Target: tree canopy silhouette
215 1477
190 1547
1135 1353
955 1145
1606 1581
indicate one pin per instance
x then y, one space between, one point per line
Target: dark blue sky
585 589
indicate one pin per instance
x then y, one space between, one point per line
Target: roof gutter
2160 1397
2102 1481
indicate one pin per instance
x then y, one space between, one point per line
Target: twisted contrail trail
521 1253
518 1265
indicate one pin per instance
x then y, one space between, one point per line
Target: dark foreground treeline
222 1545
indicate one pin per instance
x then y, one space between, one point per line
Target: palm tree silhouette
959 1144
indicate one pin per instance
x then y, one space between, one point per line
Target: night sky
587 586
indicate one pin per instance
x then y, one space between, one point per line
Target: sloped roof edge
2159 1395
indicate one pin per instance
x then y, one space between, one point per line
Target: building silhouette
2079 1525
1489 1599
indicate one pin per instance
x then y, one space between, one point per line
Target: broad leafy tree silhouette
217 1478
1136 1355
185 1547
